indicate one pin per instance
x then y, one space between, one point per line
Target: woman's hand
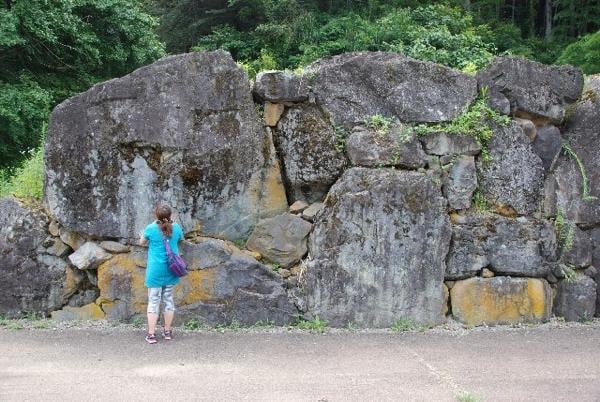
143 240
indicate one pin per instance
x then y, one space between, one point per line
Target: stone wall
311 194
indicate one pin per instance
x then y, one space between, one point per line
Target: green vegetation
405 324
568 272
192 324
565 231
26 181
139 322
475 121
585 193
466 396
317 325
340 139
380 124
479 201
585 53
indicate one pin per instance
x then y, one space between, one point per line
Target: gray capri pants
155 295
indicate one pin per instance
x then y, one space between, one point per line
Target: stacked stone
319 210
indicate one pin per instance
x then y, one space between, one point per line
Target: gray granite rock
522 247
354 86
89 256
307 144
576 299
460 182
281 239
533 89
547 144
445 144
279 86
183 130
378 250
514 177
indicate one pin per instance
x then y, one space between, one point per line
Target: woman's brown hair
163 218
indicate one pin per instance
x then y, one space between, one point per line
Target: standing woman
160 281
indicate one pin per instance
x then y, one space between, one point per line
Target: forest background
53 49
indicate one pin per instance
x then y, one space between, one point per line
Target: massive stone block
534 90
576 298
565 186
183 131
31 280
521 247
223 285
355 86
378 250
501 300
514 177
307 144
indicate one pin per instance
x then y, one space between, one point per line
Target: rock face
223 285
501 300
281 239
460 182
378 250
355 86
30 279
547 144
534 90
520 247
307 144
576 300
369 148
515 175
567 183
182 130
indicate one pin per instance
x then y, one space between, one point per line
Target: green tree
52 49
585 54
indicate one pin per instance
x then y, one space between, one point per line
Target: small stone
53 228
528 127
580 252
284 273
291 282
296 269
443 144
298 207
58 249
460 183
449 284
114 247
487 273
591 271
551 278
311 212
73 239
89 256
272 113
547 144
279 86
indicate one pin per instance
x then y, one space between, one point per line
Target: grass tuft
317 325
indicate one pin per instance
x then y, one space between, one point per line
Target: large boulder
308 146
30 279
279 86
514 177
223 285
501 300
183 131
378 250
520 247
354 86
535 91
281 239
576 298
574 186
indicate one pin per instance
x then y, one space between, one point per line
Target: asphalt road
537 364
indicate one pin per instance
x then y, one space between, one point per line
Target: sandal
151 339
168 334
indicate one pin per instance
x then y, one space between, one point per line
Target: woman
160 281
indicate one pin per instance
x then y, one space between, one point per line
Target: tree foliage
51 49
584 53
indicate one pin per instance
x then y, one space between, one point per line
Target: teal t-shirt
158 273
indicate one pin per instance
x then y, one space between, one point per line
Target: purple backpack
174 261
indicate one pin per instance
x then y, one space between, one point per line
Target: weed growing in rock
466 396
405 324
475 121
317 325
584 177
380 124
479 201
235 325
138 322
192 324
26 181
340 139
240 243
275 266
568 271
565 231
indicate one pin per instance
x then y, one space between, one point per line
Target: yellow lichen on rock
121 279
272 113
498 300
88 312
196 286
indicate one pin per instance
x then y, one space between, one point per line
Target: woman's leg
169 311
154 295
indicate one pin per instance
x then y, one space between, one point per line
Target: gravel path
92 361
